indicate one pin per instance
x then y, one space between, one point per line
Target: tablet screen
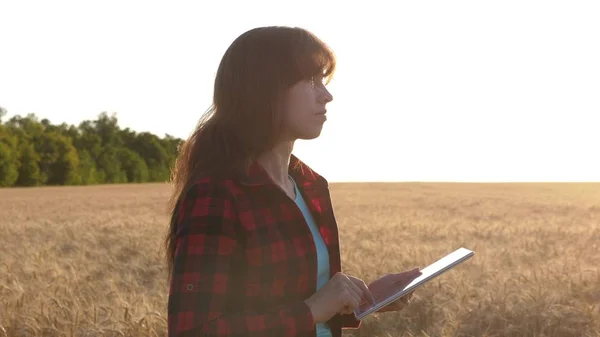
431 271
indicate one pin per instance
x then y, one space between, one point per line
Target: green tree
36 152
110 166
154 154
9 157
29 170
133 165
25 127
59 160
108 129
87 168
3 113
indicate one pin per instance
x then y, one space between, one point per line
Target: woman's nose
326 96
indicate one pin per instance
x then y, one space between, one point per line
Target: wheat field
86 261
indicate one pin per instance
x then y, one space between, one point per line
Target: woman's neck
276 163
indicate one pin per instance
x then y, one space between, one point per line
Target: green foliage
29 170
34 153
9 158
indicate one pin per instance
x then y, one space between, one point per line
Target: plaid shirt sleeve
206 245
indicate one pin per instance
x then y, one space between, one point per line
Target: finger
352 299
408 276
396 306
346 311
362 289
416 272
354 289
401 302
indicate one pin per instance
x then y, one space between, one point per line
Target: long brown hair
244 119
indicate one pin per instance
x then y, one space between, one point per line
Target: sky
461 91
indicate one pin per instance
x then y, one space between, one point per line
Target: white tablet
428 273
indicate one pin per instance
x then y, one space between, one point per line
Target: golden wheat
86 261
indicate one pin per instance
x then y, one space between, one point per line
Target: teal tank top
322 253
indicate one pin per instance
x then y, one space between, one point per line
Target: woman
253 246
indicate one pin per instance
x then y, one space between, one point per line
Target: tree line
35 152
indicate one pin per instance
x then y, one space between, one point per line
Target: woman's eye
316 80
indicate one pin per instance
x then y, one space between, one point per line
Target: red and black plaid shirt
245 258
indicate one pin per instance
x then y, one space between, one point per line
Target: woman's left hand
391 283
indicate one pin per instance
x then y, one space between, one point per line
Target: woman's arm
201 282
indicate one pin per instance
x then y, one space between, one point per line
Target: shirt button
190 287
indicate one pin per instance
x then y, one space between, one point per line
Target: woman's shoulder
208 195
211 185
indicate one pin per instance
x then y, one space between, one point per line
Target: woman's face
304 109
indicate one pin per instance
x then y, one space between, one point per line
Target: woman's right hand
341 294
